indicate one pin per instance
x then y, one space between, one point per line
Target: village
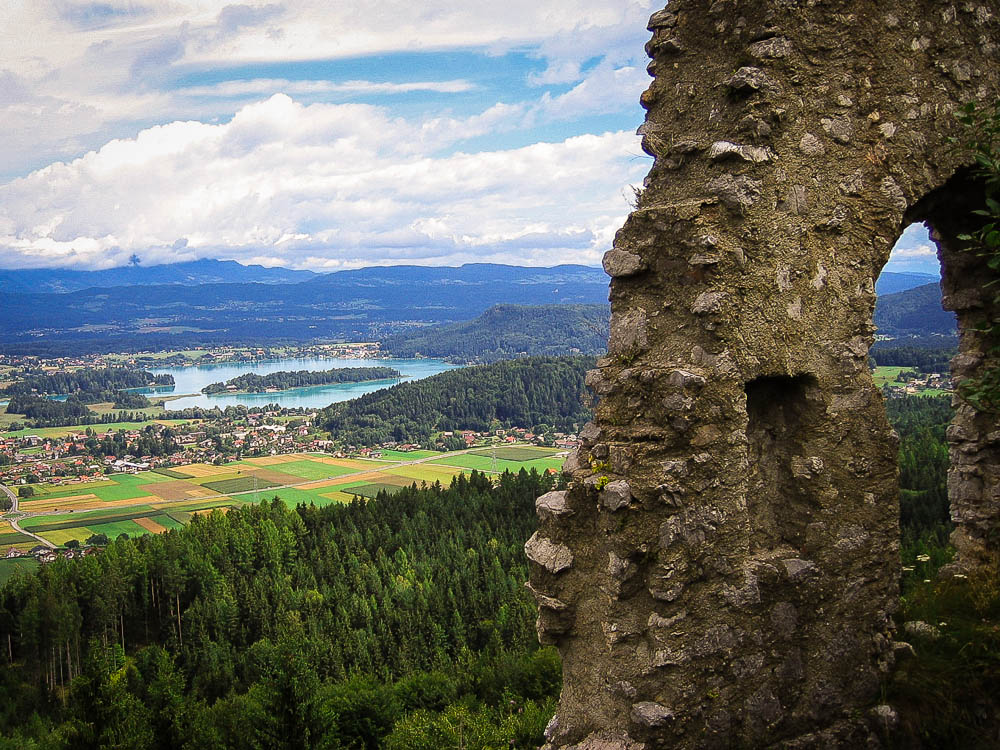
75 457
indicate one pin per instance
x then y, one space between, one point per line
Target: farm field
157 501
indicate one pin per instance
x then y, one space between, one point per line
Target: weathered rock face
721 571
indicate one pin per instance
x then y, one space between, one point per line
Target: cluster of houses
66 460
47 555
918 384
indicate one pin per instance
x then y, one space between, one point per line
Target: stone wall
722 570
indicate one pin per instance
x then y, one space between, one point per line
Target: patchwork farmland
163 499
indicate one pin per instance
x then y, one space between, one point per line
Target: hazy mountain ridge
354 304
189 273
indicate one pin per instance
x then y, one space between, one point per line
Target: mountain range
189 273
211 302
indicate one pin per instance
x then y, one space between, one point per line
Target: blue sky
322 135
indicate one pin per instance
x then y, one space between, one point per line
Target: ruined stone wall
721 572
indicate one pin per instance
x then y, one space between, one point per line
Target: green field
371 490
311 469
388 455
485 463
171 473
516 453
238 484
9 568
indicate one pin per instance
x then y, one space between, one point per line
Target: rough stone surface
746 587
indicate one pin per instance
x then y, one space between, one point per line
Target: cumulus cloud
320 185
101 70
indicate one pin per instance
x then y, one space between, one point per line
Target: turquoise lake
190 380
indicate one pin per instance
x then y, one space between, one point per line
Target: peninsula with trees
284 380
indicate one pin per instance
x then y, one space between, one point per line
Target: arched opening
915 341
919 330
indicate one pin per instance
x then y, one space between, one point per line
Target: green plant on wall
981 141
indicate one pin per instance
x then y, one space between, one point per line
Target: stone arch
722 569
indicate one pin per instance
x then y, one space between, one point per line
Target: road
15 515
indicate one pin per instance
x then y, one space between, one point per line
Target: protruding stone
618 263
798 569
773 48
725 150
650 714
736 193
555 558
628 333
748 80
810 145
708 302
840 128
616 495
552 505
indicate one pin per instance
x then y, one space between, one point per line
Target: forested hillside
398 623
915 312
512 393
506 331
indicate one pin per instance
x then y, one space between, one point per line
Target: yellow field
272 460
427 473
348 463
61 536
81 502
216 477
203 470
150 525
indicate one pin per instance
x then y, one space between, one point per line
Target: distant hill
191 273
516 393
344 305
891 283
508 331
915 312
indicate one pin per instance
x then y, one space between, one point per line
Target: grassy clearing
10 568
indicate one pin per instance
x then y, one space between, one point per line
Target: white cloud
320 185
269 86
917 252
92 71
